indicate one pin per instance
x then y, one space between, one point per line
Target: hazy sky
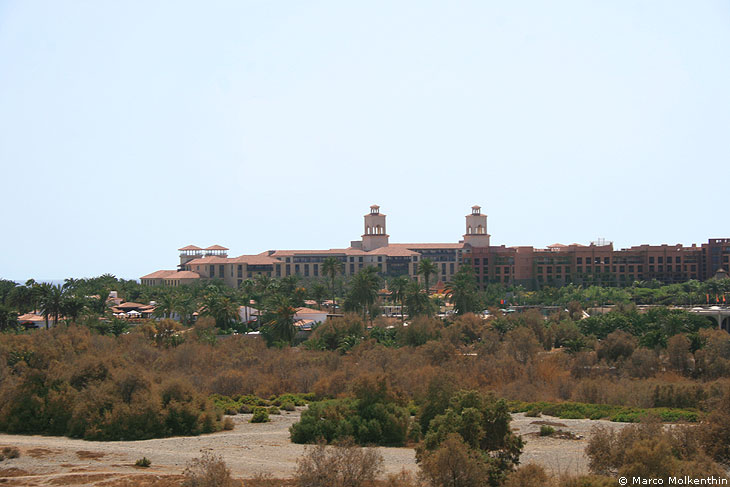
130 129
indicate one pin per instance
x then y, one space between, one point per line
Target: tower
374 236
476 228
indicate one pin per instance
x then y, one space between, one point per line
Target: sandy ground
248 449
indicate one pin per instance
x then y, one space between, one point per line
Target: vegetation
143 462
345 465
207 471
375 416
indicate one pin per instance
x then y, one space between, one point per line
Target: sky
131 129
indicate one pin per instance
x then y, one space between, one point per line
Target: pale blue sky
129 129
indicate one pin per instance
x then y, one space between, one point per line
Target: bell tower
476 228
374 236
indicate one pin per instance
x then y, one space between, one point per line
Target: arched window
480 229
378 230
468 230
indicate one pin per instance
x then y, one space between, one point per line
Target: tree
220 307
279 320
318 292
364 291
330 268
417 301
426 268
462 290
399 285
50 300
482 423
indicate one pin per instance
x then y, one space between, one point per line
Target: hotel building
556 265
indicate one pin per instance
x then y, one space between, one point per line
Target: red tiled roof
393 251
308 311
172 274
288 253
215 247
254 260
157 275
209 260
33 318
429 246
190 247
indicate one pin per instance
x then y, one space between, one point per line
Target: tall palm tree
364 290
399 285
330 268
426 268
462 290
50 300
279 326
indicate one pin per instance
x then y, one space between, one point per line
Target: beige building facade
556 265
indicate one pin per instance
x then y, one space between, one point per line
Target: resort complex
558 264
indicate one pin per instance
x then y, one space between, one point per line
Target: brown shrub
207 471
530 475
343 465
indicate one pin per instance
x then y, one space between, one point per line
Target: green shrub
546 430
143 462
288 406
274 410
260 415
533 413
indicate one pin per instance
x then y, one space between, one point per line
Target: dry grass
89 455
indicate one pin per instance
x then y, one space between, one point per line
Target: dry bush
403 478
207 471
649 450
678 353
530 475
521 344
617 345
342 465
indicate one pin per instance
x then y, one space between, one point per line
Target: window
221 273
288 270
660 260
606 260
451 267
352 268
651 268
597 260
316 269
651 260
622 268
212 270
631 268
477 262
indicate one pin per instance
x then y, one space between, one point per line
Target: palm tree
462 290
50 300
364 290
426 268
399 285
279 326
318 292
417 301
220 307
330 268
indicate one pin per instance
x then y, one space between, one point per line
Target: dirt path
247 449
